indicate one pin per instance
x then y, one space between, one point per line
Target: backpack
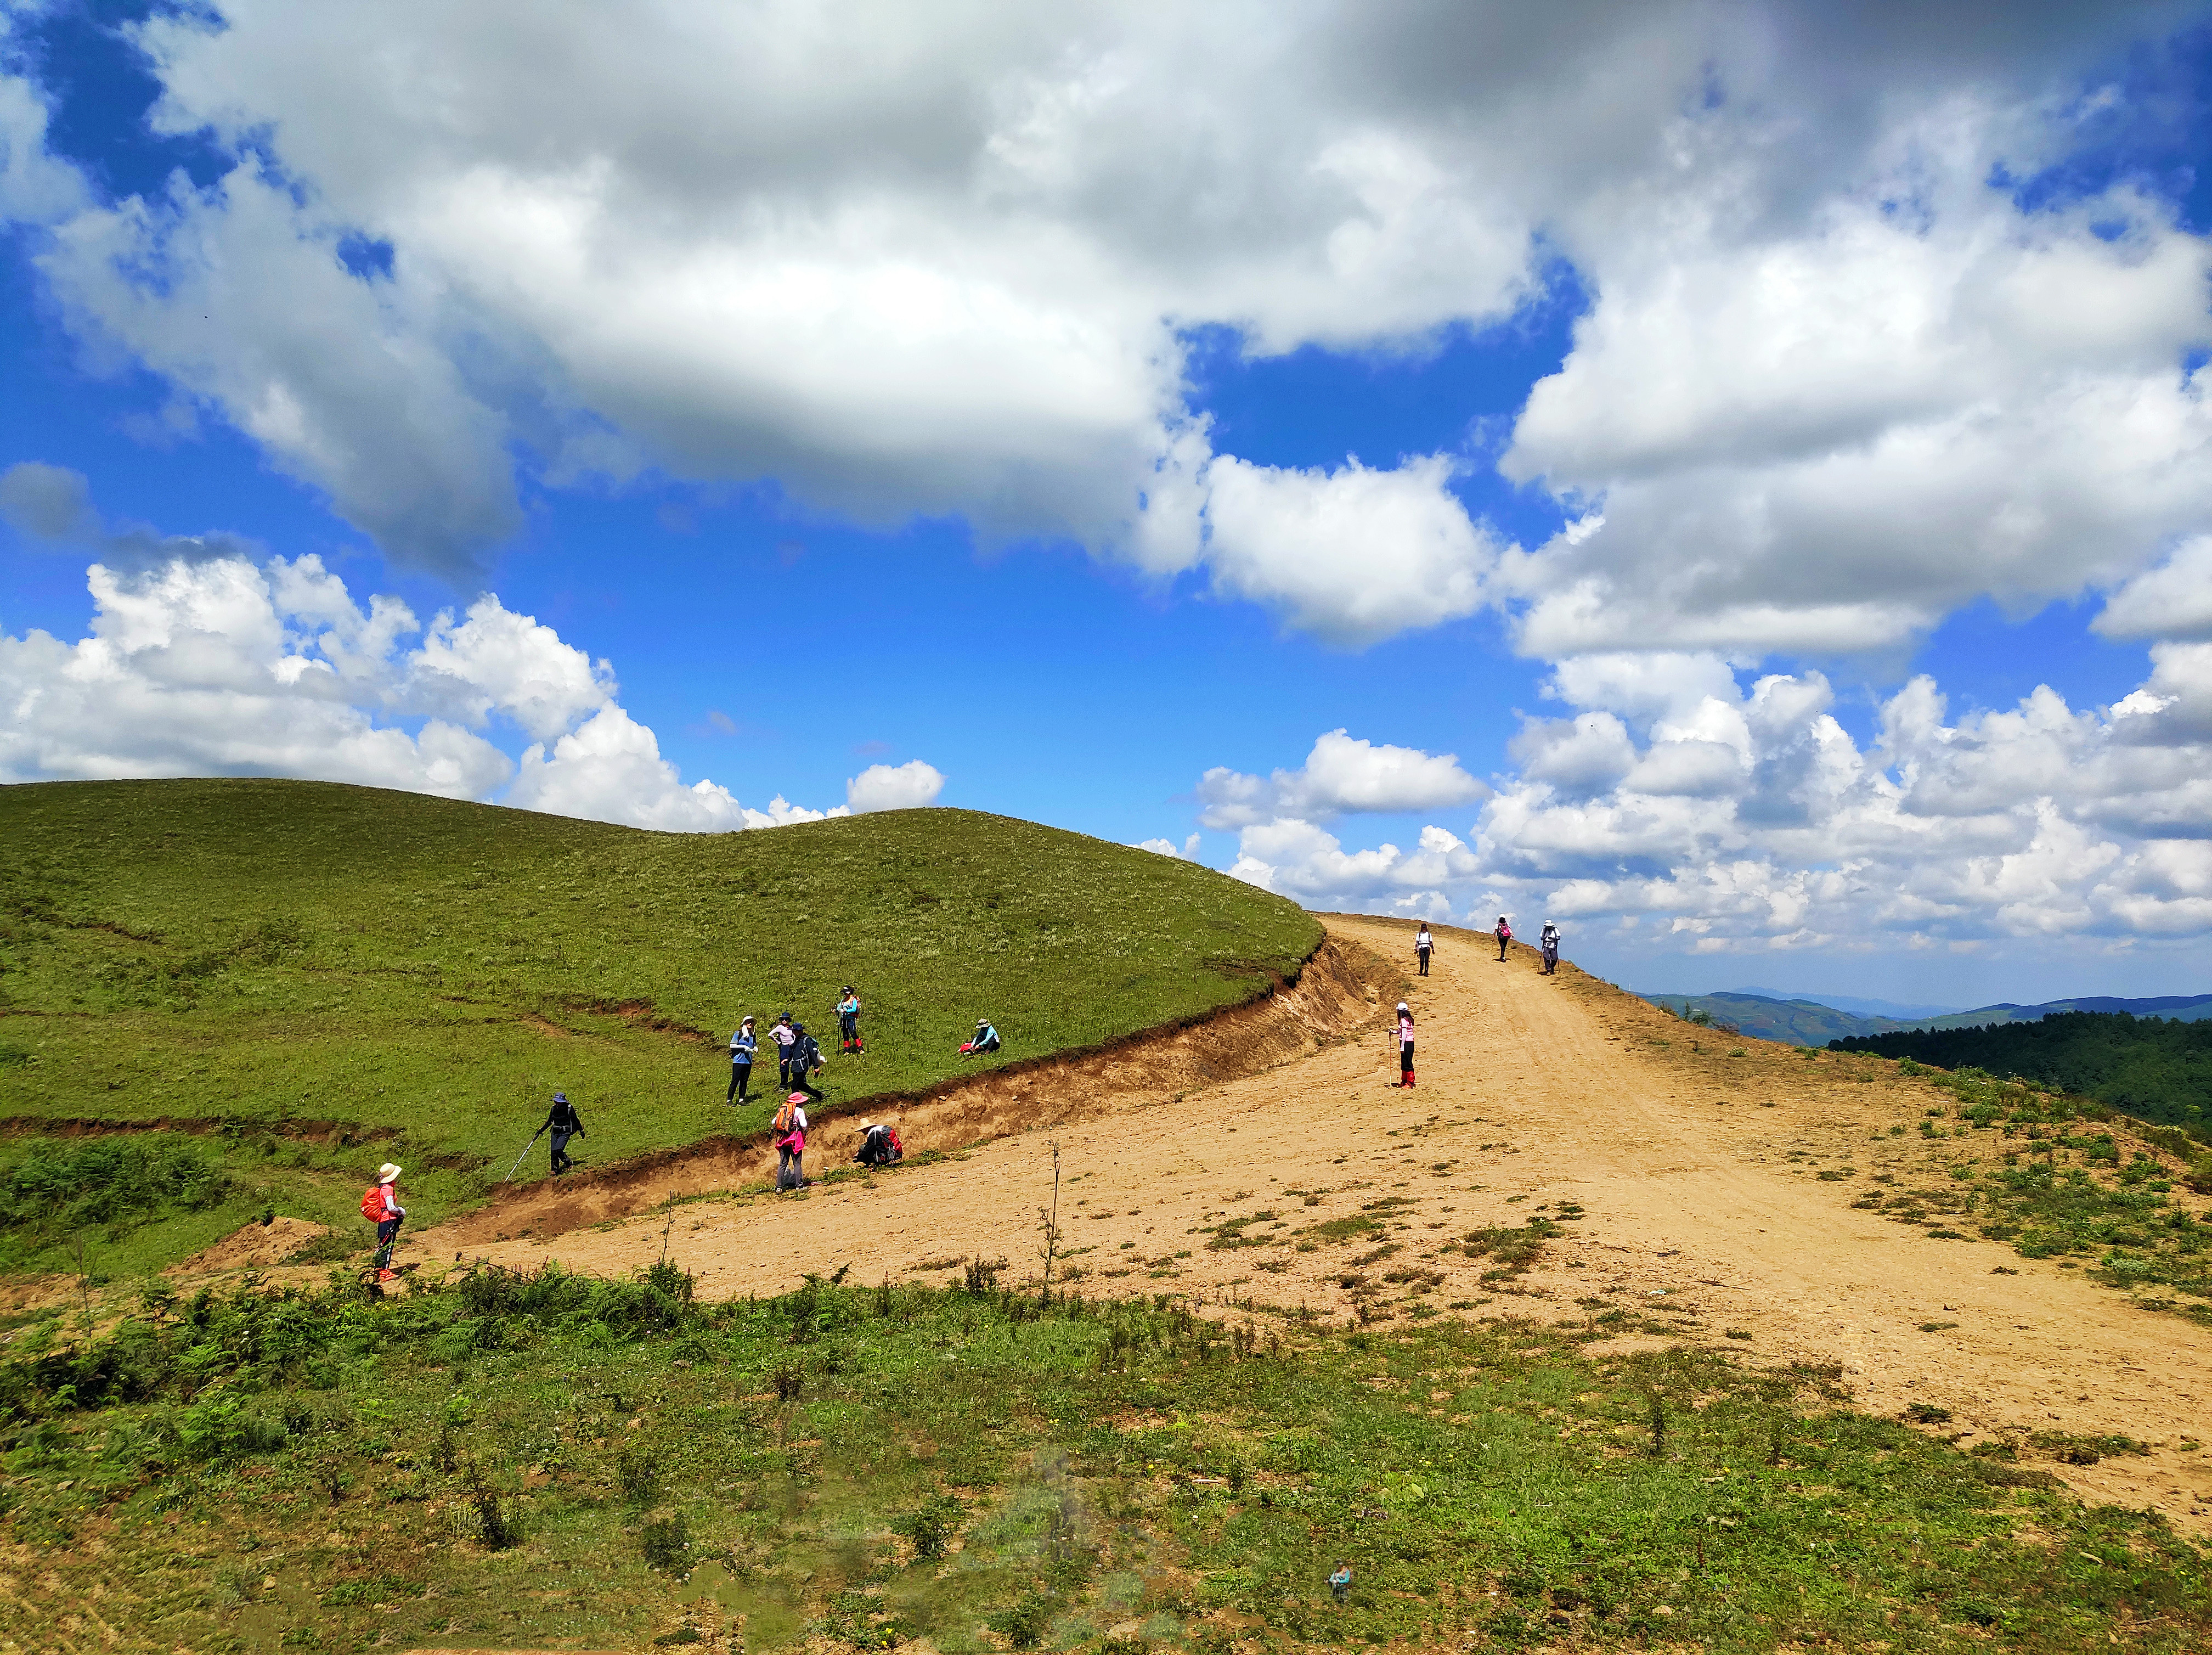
810 1052
782 1124
899 1149
372 1203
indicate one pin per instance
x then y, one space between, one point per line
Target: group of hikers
1547 944
1425 944
798 1059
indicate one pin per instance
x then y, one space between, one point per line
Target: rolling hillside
311 965
1816 1023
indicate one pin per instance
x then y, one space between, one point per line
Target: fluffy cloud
221 666
1341 774
894 787
1673 804
946 265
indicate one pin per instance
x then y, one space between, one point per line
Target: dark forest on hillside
2153 1068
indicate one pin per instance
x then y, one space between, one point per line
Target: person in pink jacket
1505 935
1405 1044
791 1148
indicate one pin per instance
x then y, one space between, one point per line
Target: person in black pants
742 1047
1550 944
564 1123
806 1059
1423 943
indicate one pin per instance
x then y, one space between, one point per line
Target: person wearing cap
985 1039
785 1036
564 1123
1405 1044
742 1047
849 1022
383 1205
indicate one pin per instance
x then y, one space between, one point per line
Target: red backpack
372 1202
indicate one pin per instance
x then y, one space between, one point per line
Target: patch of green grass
349 968
871 1467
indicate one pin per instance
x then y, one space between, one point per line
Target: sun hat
387 1172
796 1098
559 1097
867 1126
1403 1006
742 1020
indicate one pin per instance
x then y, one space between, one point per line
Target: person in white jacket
1423 942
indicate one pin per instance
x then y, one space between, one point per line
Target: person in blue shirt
986 1040
742 1047
848 1021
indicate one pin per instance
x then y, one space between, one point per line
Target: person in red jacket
382 1204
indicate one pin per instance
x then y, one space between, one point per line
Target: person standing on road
1549 941
564 1123
848 1021
791 1144
382 1204
784 1039
742 1047
1505 935
1405 1044
1423 942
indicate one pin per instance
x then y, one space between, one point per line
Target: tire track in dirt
1694 1169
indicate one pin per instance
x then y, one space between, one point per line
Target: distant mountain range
1807 1022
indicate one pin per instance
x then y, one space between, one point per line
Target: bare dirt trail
1698 1172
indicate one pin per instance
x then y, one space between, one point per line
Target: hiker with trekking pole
1549 942
564 1123
848 1023
1405 1046
742 1047
380 1204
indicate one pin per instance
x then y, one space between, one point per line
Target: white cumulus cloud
894 787
1836 377
1341 774
223 665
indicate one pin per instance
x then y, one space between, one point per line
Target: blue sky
985 423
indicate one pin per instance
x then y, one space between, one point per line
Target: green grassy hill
310 964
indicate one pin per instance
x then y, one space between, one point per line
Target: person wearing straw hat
879 1145
382 1204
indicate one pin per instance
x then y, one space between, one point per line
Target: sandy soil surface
1697 1172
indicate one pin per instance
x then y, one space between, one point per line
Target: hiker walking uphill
805 1060
849 1023
564 1123
1549 942
742 1047
380 1204
1505 935
1423 943
1405 1045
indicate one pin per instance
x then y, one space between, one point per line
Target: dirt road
1697 1175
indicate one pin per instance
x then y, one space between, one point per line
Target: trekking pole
534 1137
